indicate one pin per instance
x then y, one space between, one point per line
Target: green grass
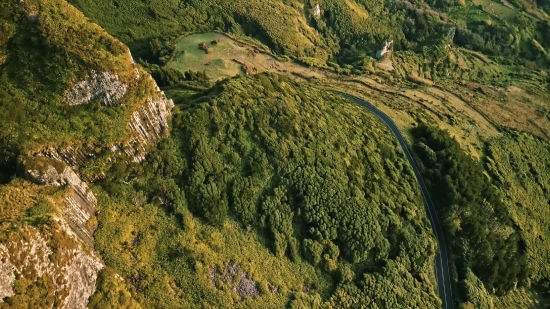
491 10
481 2
520 163
218 64
191 42
471 13
500 11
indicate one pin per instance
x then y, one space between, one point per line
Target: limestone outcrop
147 123
71 271
150 121
79 205
103 86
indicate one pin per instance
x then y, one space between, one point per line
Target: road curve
442 273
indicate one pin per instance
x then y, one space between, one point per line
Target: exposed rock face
73 271
388 47
151 119
28 253
79 278
244 287
71 156
316 11
103 86
149 122
7 273
80 205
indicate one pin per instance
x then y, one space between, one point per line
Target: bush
486 239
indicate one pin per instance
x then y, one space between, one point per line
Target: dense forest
345 31
483 235
267 191
314 177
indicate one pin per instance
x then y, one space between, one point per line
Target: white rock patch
29 253
103 86
7 274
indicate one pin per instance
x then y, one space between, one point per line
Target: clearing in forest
497 9
223 57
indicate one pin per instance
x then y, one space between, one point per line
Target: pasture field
217 64
485 10
228 58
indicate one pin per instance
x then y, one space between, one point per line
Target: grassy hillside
520 163
47 47
306 192
346 31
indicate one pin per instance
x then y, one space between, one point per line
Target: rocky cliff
147 123
70 267
103 86
79 205
49 262
48 259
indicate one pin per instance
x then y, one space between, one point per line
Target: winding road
441 260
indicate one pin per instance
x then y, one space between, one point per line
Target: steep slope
520 165
42 262
72 103
68 88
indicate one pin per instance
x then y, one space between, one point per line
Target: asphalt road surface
442 274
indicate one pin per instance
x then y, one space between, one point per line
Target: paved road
441 260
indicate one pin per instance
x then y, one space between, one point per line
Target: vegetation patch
519 163
328 212
226 58
496 9
473 214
